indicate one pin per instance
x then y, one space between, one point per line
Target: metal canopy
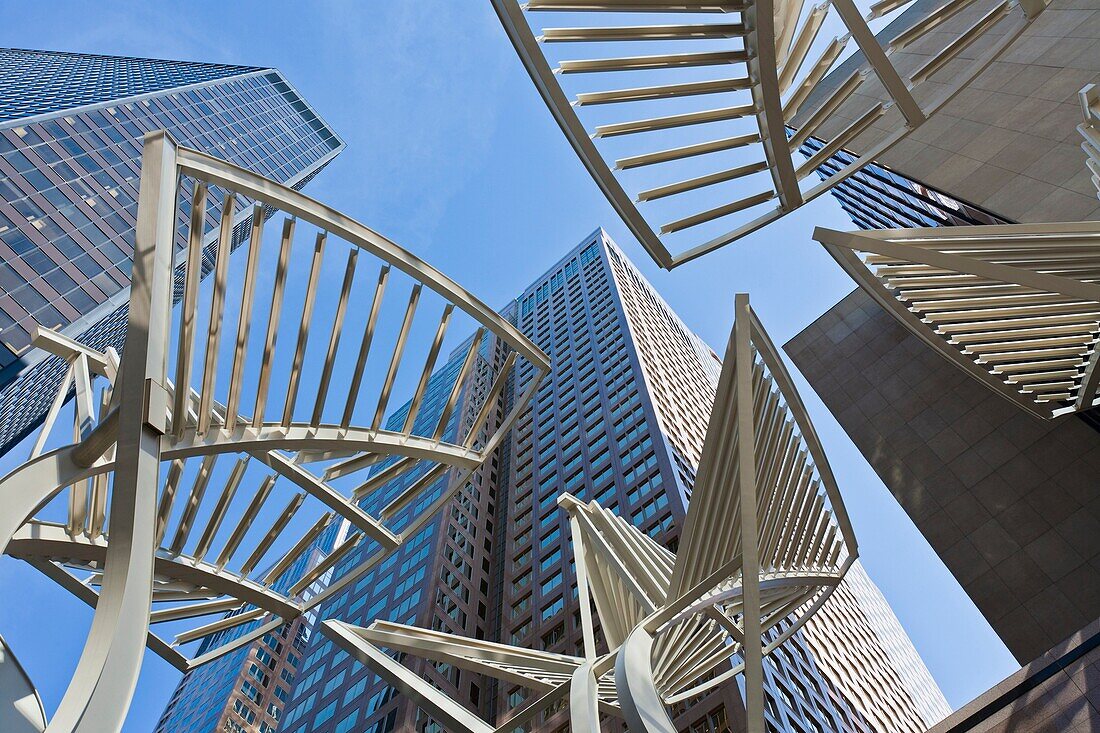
1090 131
764 544
657 129
1016 306
158 534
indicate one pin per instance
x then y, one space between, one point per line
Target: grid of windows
39 82
245 691
605 425
68 188
68 192
439 578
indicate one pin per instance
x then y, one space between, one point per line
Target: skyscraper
443 576
621 420
71 128
899 694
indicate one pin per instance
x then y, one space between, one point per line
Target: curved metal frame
21 708
777 40
146 419
1015 306
766 541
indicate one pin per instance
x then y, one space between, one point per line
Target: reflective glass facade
36 83
879 198
621 419
68 187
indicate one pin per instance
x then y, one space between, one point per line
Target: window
515 697
246 713
333 683
550 560
550 539
324 715
521 607
520 632
555 635
553 609
250 691
346 725
551 583
356 690
258 674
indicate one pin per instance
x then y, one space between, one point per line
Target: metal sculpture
20 706
1017 306
287 413
765 542
1090 131
776 77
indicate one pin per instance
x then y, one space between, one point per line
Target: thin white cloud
422 98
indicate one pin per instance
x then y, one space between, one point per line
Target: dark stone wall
1009 502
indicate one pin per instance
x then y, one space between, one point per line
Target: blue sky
452 154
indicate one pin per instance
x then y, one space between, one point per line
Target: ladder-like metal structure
1016 306
156 513
734 89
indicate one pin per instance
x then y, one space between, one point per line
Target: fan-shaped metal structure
156 531
1015 306
764 544
20 706
1090 131
712 91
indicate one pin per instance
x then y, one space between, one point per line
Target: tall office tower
71 128
442 577
620 419
900 694
245 691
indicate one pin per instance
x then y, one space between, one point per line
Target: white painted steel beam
114 464
773 43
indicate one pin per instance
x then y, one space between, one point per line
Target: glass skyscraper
442 577
620 419
71 128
